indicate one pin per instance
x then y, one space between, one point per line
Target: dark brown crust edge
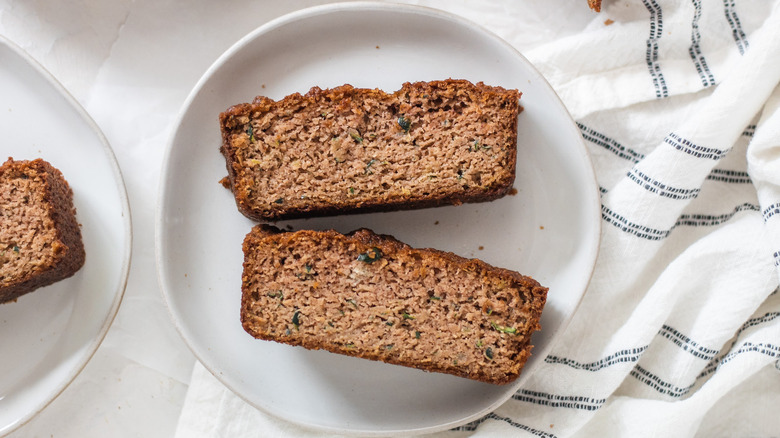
471 195
388 245
71 257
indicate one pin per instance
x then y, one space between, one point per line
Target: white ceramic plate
549 229
47 336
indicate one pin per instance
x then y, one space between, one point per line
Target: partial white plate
49 335
549 229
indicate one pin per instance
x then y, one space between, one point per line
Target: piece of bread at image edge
371 296
40 239
350 150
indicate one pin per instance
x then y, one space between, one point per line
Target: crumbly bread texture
40 240
371 296
349 150
595 5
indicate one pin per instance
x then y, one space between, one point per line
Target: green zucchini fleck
278 294
356 136
370 256
17 249
307 273
368 166
296 319
478 145
417 335
489 353
404 123
250 131
508 330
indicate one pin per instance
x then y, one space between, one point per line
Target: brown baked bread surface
595 5
373 297
40 239
349 150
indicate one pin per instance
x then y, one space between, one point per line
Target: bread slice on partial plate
40 239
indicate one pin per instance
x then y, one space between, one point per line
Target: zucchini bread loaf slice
348 150
40 239
373 297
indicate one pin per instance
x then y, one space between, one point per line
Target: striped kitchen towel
679 331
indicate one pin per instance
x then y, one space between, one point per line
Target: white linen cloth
679 331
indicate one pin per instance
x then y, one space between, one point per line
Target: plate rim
108 320
336 7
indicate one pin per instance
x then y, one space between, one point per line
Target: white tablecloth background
679 333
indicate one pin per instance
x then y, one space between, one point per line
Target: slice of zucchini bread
373 297
40 239
348 150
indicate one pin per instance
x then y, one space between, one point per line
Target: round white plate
549 229
47 336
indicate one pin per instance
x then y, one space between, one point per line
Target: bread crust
233 119
66 244
257 325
